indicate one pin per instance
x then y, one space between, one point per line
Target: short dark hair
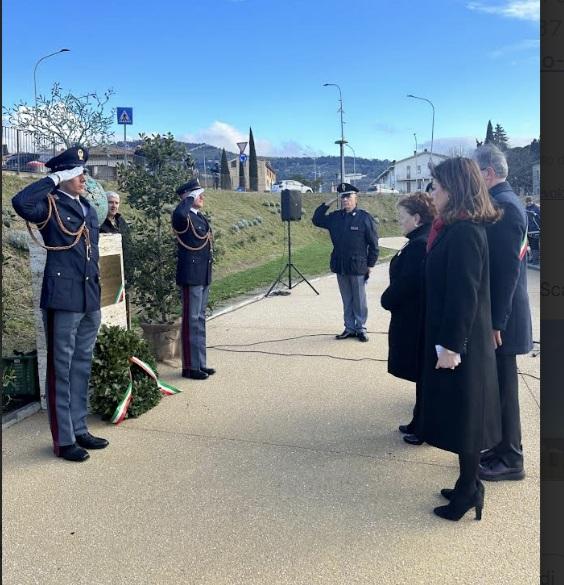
469 197
421 203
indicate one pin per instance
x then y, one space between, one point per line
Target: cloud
223 135
218 134
524 45
519 9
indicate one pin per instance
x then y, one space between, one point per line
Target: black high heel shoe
447 492
459 505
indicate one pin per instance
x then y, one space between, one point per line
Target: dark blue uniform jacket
511 313
193 268
354 237
71 281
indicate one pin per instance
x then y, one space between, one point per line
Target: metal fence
22 152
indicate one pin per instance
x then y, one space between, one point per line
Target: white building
409 174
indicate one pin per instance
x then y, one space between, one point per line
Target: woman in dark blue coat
403 297
460 410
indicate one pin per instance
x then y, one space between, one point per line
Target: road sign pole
125 117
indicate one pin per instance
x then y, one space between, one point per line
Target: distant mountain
328 168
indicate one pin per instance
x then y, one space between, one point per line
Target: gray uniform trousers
70 343
194 303
353 293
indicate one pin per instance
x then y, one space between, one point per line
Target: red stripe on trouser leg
52 381
186 361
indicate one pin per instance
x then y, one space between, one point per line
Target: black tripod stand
289 265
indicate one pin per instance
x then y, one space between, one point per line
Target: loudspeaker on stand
290 205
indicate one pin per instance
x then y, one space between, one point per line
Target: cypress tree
500 137
225 176
253 163
241 175
489 134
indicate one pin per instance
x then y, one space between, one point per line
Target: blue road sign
243 158
125 115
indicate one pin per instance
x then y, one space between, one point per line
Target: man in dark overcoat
355 252
511 315
70 295
193 275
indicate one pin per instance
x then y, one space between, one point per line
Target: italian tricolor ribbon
121 409
523 248
120 295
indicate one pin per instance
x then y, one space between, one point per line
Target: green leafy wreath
110 373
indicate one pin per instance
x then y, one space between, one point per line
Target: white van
292 185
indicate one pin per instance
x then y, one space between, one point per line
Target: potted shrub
161 165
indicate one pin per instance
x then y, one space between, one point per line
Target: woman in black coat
403 297
460 410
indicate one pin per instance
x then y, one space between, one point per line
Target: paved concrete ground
286 467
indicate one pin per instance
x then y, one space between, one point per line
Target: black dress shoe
487 455
88 441
406 429
362 336
412 439
194 374
345 334
208 371
73 453
496 470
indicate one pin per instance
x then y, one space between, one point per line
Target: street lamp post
35 79
433 123
354 160
341 142
416 173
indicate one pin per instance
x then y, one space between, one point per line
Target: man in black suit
511 315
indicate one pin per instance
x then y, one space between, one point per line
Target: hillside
250 251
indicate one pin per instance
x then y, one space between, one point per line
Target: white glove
67 175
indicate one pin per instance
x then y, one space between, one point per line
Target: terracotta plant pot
163 339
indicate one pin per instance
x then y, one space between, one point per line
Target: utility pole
341 142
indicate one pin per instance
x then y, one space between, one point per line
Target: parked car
382 189
26 161
292 185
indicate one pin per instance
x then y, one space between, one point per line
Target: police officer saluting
193 274
70 296
355 251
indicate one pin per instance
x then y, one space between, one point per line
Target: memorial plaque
111 280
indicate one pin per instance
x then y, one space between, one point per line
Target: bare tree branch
65 118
